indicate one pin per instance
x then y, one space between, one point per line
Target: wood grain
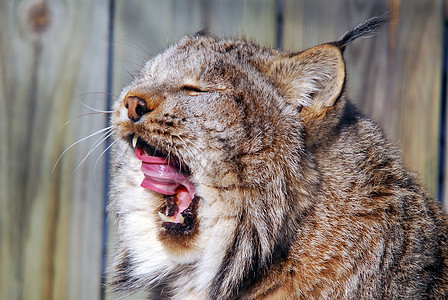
145 28
51 223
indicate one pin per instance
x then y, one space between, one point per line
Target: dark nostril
136 106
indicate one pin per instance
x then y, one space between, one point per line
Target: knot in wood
39 17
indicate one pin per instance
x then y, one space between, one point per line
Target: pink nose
136 106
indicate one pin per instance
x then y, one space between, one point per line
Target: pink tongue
184 200
162 177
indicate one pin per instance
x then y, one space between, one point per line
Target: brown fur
299 195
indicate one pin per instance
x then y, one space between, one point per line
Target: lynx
242 172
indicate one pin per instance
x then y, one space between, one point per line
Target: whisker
189 151
186 149
98 159
100 140
143 49
167 158
180 164
77 142
169 149
83 115
192 144
95 145
95 93
96 110
158 146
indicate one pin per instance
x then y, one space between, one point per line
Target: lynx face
210 135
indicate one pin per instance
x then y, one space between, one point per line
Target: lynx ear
312 80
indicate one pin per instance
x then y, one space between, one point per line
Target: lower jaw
179 228
180 235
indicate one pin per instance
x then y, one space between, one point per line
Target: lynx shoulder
242 172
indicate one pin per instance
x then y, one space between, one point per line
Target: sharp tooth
165 218
181 219
134 141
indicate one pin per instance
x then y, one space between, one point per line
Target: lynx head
213 163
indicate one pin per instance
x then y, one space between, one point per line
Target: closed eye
193 90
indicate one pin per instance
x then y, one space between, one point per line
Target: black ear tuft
371 26
203 32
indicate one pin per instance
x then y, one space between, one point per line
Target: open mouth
166 175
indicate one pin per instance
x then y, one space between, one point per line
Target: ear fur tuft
371 26
312 79
203 32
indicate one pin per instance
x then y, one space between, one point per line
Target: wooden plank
145 28
418 59
253 19
394 77
51 223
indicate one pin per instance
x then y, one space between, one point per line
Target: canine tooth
181 219
134 141
165 218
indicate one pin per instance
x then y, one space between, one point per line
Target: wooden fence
60 58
